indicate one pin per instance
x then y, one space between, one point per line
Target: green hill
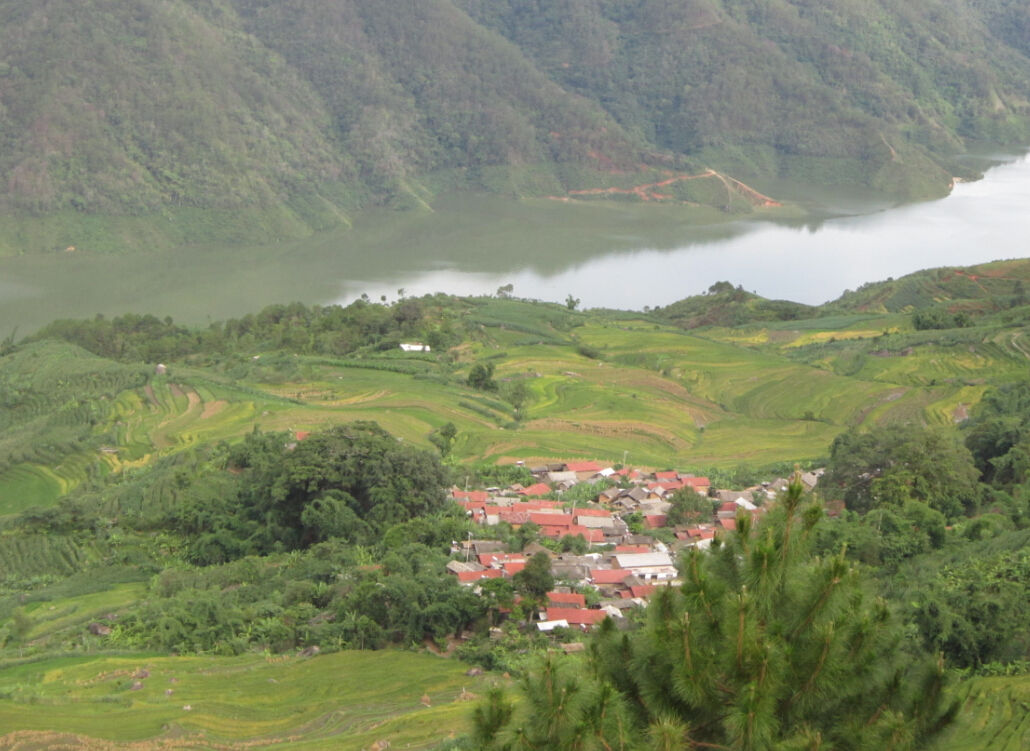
753 381
174 542
136 123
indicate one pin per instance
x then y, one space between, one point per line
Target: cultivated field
602 385
346 700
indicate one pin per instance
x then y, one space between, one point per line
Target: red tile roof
485 559
599 512
609 575
556 531
654 521
583 466
666 475
480 496
551 520
697 482
728 524
589 534
513 567
701 533
515 517
642 590
632 548
576 616
665 485
540 488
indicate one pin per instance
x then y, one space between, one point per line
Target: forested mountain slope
302 111
879 89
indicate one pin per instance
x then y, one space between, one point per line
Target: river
616 255
979 221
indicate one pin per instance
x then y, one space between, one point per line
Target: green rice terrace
346 700
174 545
595 384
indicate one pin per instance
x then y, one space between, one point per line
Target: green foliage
535 580
280 121
481 377
724 305
688 507
890 466
998 435
764 646
443 438
885 536
972 600
937 318
352 482
329 330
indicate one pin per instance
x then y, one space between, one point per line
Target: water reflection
980 221
618 255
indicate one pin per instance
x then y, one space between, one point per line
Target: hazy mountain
302 110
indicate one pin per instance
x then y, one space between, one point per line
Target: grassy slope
648 388
994 716
611 383
345 700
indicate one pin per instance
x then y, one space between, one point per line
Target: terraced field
994 716
347 700
603 385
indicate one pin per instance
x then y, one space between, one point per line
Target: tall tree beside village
763 647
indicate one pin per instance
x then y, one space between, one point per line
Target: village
612 552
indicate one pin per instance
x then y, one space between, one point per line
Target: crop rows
37 555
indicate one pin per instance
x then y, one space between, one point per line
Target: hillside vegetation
241 120
252 507
761 382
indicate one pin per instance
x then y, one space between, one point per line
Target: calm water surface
619 255
980 221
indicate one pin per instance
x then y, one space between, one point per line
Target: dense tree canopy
890 465
352 482
998 435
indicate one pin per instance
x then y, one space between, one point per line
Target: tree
688 507
572 302
891 465
517 394
535 580
482 377
998 434
443 438
764 646
352 482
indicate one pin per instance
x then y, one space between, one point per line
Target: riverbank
606 253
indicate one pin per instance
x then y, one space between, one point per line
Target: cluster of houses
622 566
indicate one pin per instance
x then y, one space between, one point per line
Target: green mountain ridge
279 119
